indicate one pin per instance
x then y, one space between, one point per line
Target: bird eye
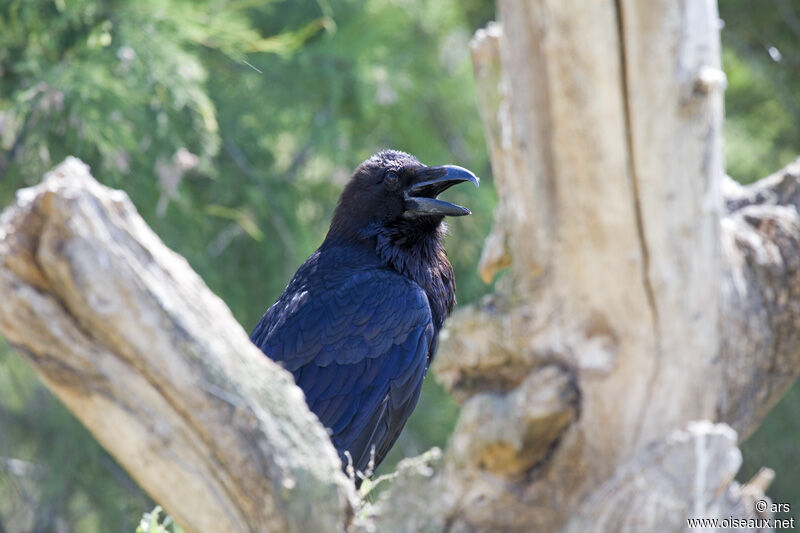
390 178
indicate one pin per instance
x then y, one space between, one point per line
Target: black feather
358 323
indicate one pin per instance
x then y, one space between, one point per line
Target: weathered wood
760 355
649 491
603 120
509 434
125 333
645 292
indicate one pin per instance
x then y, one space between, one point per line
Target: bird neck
416 251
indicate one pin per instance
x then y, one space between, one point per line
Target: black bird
358 324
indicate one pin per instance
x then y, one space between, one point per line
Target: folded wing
359 349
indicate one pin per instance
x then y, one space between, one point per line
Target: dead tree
646 292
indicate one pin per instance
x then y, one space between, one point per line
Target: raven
358 323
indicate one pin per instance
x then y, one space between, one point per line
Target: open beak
429 183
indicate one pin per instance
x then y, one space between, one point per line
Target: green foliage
763 97
233 124
153 523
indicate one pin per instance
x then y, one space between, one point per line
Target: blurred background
233 124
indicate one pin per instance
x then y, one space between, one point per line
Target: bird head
393 189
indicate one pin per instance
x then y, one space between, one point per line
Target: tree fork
646 291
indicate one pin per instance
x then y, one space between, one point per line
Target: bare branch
760 352
132 341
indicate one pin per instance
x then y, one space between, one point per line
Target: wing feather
358 350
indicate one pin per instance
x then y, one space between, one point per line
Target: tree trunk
651 311
656 300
